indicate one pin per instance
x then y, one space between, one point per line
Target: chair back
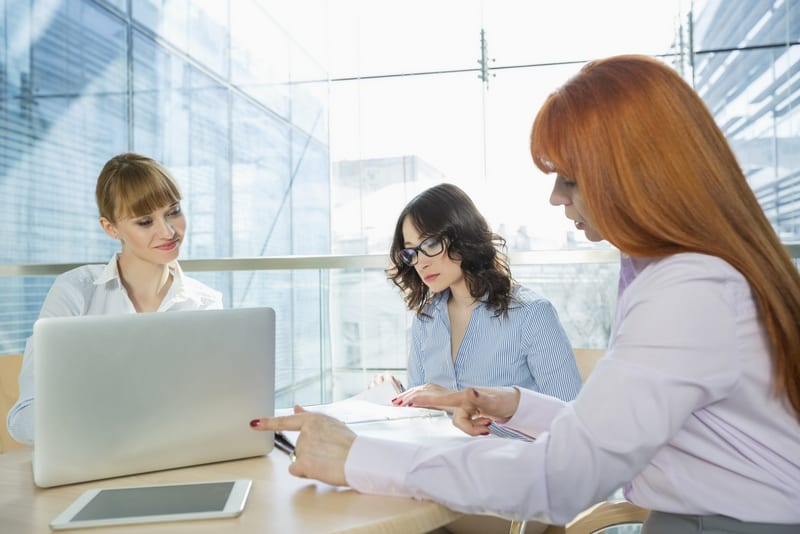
587 359
10 364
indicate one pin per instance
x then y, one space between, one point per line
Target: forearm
535 412
491 483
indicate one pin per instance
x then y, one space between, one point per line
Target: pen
283 444
398 386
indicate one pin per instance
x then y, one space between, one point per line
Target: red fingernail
485 433
255 423
410 404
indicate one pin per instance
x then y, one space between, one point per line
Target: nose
166 230
558 196
423 260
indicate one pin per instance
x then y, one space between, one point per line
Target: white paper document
371 405
372 413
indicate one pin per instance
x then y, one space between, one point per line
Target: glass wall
188 83
302 128
745 66
396 99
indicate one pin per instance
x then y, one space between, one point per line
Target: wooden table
278 502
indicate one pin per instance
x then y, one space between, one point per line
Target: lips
431 277
168 246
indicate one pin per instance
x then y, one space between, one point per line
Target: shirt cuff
535 412
19 422
367 470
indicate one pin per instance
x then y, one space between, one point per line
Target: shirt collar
111 273
440 299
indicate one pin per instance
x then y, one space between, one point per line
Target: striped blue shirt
528 348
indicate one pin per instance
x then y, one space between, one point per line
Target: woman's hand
429 391
474 408
322 447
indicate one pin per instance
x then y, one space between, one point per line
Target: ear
109 228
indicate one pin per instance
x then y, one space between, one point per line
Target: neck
142 278
460 296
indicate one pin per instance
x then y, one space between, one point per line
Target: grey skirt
664 523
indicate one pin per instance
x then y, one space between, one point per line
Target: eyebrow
155 211
411 245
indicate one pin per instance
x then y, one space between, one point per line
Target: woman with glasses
473 325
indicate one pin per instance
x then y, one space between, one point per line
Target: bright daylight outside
307 133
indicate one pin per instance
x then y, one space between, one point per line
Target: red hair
658 177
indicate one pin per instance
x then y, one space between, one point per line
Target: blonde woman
140 206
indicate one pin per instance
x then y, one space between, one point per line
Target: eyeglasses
433 246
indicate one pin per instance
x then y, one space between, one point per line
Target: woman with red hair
695 409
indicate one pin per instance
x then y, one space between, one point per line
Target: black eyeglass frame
410 256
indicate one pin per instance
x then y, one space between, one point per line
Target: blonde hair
658 177
132 185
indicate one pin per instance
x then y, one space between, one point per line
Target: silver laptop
124 394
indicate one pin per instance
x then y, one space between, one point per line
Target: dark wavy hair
447 212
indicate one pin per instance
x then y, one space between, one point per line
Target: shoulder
530 310
71 291
525 298
83 276
687 280
689 267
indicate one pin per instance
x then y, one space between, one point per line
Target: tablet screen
156 500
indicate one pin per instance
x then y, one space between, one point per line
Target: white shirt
682 407
97 290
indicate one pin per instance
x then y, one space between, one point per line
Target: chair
602 515
587 359
9 391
